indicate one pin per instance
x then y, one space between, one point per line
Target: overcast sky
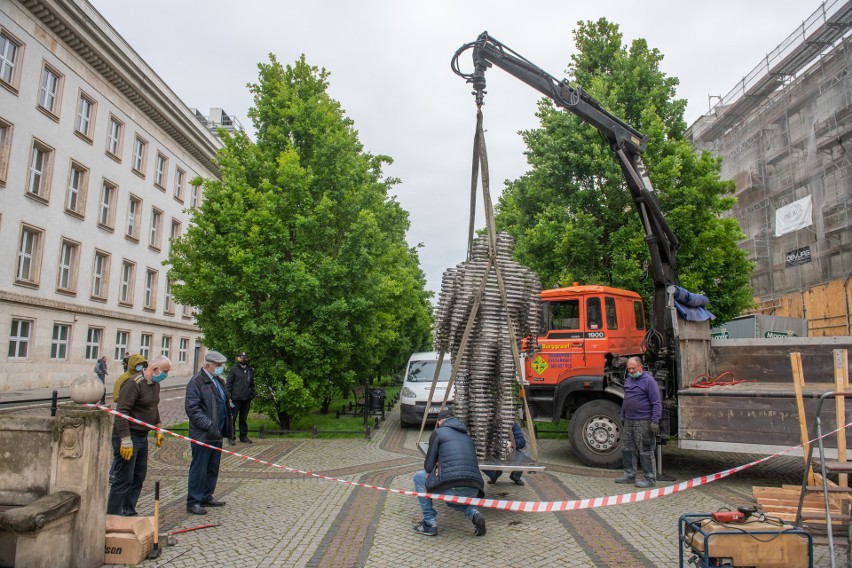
390 69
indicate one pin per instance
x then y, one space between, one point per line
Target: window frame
111 189
149 300
15 76
103 275
121 347
610 312
81 191
168 300
44 95
86 135
115 144
33 277
7 129
133 225
183 348
155 232
69 270
58 344
16 338
94 343
166 346
161 171
45 174
127 283
180 184
145 344
139 158
195 198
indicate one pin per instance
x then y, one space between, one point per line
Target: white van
419 373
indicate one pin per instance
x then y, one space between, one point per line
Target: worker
450 468
519 442
640 424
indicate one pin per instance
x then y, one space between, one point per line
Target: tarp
691 307
794 216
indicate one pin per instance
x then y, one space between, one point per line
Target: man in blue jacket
450 468
640 424
210 421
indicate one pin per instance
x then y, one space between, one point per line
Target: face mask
243 363
219 370
139 368
635 375
160 376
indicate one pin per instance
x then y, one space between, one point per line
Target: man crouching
451 468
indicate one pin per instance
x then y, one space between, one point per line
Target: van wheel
595 434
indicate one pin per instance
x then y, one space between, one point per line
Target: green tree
298 254
572 217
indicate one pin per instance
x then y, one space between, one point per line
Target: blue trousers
430 515
639 444
203 473
128 477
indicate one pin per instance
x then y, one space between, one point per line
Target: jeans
430 516
637 442
128 477
203 473
241 410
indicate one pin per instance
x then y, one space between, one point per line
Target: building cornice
84 31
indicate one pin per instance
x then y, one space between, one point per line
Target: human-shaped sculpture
486 379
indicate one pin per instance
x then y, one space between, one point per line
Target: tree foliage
572 216
298 254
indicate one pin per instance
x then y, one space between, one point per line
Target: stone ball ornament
87 389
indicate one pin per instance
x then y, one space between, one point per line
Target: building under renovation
785 135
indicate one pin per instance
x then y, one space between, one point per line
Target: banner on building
793 217
799 256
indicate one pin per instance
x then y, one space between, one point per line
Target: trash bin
377 401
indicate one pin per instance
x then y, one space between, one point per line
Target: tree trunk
284 419
325 405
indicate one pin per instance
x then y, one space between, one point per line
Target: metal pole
53 403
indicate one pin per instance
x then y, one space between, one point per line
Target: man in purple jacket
640 424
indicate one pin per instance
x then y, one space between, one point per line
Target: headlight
408 393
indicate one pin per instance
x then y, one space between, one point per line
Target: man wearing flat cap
210 421
450 468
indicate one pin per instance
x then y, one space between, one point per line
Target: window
166 346
66 278
187 312
140 148
75 198
194 201
593 313
134 209
93 343
611 315
121 340
19 338
160 173
59 342
100 275
125 291
38 182
150 289
29 255
175 231
5 149
84 123
145 345
560 315
49 94
106 209
179 178
184 343
168 301
156 233
10 54
639 315
115 132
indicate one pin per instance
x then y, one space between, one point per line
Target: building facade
97 159
785 135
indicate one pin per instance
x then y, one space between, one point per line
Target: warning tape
501 504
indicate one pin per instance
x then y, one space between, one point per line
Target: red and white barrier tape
519 506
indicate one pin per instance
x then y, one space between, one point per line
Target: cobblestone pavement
275 518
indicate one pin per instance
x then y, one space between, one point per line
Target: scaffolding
785 135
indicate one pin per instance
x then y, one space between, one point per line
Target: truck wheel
595 434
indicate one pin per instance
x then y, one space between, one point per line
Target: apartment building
97 161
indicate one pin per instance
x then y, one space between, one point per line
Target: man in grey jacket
450 468
209 410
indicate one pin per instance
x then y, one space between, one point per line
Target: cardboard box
128 539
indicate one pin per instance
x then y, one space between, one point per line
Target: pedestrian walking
240 387
640 424
450 468
210 420
139 398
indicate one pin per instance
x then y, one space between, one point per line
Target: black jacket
454 454
241 382
204 409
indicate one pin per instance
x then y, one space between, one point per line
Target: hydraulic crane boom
627 145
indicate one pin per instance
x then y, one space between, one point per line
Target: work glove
160 439
655 429
126 449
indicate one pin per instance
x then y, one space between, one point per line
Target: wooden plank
841 382
798 384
